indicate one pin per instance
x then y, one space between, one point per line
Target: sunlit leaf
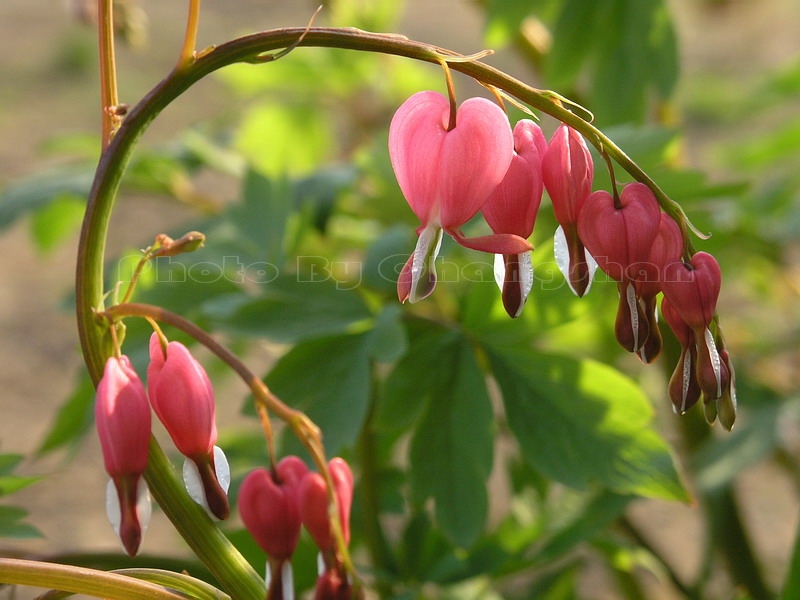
582 422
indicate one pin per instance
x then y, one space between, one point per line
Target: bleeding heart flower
619 235
692 289
684 391
446 176
270 509
122 417
314 507
567 172
512 208
667 248
183 399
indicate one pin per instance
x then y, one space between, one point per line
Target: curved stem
80 580
108 73
305 430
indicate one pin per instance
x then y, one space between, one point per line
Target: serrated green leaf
452 448
329 380
582 422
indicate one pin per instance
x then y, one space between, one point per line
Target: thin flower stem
266 425
451 94
190 38
108 70
305 430
81 580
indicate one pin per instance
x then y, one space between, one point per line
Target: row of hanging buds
452 162
181 395
274 503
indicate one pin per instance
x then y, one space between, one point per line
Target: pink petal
499 243
512 206
567 171
416 135
474 158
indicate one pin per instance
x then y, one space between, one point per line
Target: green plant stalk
80 580
205 539
253 48
108 74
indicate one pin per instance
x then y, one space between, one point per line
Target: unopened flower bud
183 399
314 507
122 417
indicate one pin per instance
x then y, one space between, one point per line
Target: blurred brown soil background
45 89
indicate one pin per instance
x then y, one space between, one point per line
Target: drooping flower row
448 175
274 503
180 393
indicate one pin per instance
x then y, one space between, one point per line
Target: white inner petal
222 469
687 379
144 505
112 506
630 296
561 252
525 278
267 575
425 253
287 581
715 360
193 484
320 564
499 270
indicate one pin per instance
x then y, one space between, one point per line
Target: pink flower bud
666 249
684 391
567 171
314 505
122 416
269 506
183 399
693 289
620 238
512 208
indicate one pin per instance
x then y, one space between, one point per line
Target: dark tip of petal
130 531
512 289
216 497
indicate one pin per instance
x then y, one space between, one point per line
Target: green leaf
37 191
329 380
414 379
73 419
54 222
291 308
451 452
388 340
13 483
581 422
598 513
503 19
571 43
